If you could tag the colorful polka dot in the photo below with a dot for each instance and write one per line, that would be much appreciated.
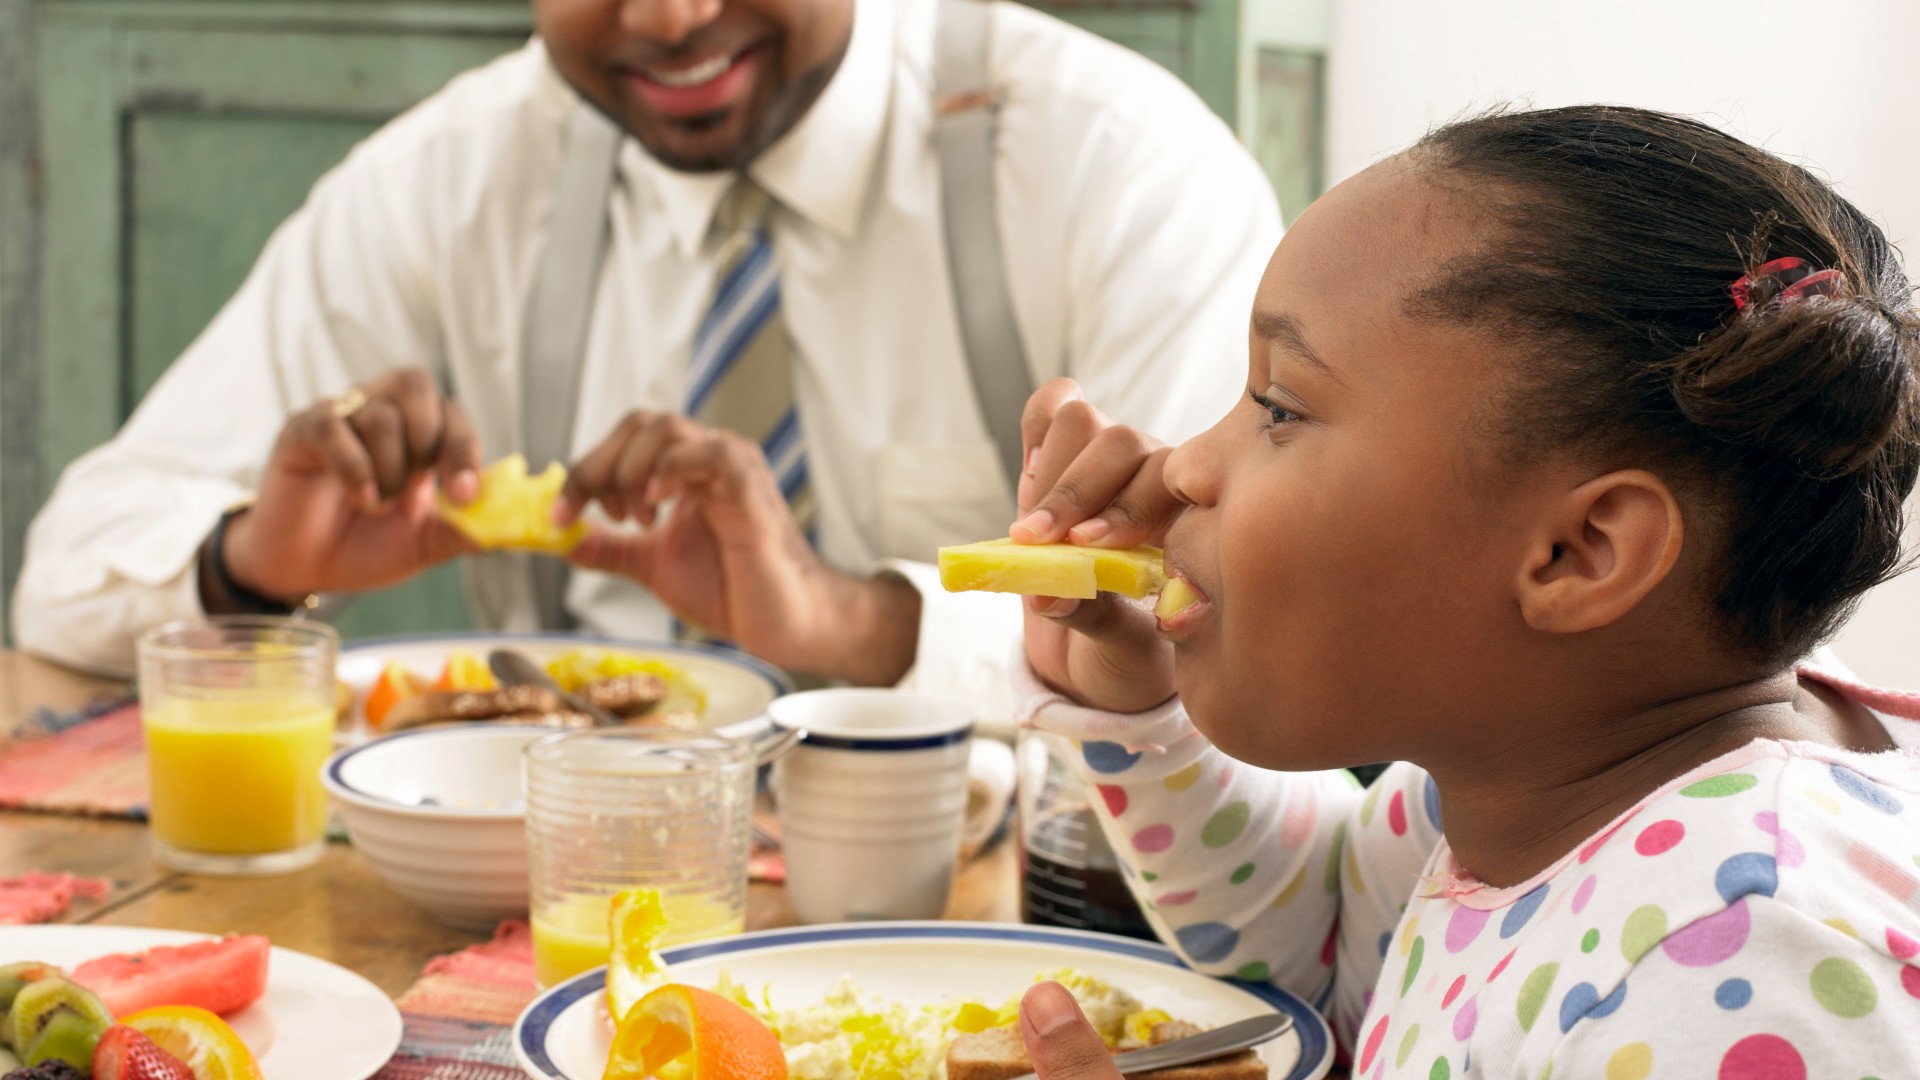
(1115, 798)
(1354, 880)
(1881, 870)
(1367, 804)
(1643, 930)
(1406, 1046)
(1208, 942)
(1745, 874)
(1584, 893)
(1533, 994)
(1659, 837)
(1710, 940)
(1296, 828)
(1145, 875)
(1255, 972)
(1590, 940)
(1502, 965)
(1440, 1071)
(1583, 1001)
(1522, 910)
(1182, 780)
(1432, 800)
(1453, 991)
(1177, 899)
(1386, 939)
(1465, 1020)
(1762, 1057)
(1292, 890)
(1225, 825)
(1842, 988)
(1464, 927)
(1107, 758)
(1374, 1039)
(1733, 994)
(1842, 925)
(1413, 965)
(1332, 882)
(1397, 813)
(1864, 789)
(1719, 787)
(1153, 839)
(1240, 874)
(1910, 981)
(1631, 1062)
(1822, 800)
(1900, 945)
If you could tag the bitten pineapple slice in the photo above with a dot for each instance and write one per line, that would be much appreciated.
(1067, 570)
(515, 510)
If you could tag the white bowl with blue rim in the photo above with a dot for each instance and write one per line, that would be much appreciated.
(438, 813)
(871, 802)
(565, 1033)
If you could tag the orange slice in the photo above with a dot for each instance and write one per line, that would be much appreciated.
(200, 1039)
(394, 685)
(681, 1033)
(465, 671)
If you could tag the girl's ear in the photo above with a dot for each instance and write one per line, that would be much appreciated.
(1604, 547)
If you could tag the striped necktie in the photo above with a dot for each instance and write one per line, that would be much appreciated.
(741, 378)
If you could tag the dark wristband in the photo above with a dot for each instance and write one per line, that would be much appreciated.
(235, 594)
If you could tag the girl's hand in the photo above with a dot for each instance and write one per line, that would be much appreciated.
(1091, 481)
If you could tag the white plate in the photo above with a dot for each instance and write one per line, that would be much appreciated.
(565, 1034)
(738, 686)
(317, 1021)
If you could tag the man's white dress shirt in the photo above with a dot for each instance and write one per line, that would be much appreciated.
(1135, 230)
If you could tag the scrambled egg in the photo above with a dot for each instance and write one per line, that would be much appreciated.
(852, 1035)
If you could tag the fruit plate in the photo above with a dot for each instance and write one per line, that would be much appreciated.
(318, 1021)
(566, 1032)
(738, 686)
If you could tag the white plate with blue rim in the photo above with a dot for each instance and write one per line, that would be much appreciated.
(565, 1033)
(737, 687)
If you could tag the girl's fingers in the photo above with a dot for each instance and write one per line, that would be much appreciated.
(1035, 421)
(1071, 430)
(1102, 470)
(1139, 514)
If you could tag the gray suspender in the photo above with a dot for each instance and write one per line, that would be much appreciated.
(561, 308)
(966, 112)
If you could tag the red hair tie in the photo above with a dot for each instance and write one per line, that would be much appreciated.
(1796, 277)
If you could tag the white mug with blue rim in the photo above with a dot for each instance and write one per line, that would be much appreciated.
(871, 802)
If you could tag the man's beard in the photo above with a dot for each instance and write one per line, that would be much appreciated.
(764, 128)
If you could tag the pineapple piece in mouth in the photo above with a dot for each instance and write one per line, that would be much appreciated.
(1065, 570)
(1175, 598)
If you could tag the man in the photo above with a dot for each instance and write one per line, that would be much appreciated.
(376, 351)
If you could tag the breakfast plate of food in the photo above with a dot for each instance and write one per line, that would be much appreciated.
(397, 683)
(231, 1003)
(933, 1000)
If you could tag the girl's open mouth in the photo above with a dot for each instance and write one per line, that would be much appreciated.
(1179, 606)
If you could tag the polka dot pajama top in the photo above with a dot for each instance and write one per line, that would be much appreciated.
(1755, 919)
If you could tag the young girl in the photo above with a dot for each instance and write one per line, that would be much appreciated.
(1567, 435)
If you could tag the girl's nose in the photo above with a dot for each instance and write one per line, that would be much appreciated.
(1191, 472)
(667, 22)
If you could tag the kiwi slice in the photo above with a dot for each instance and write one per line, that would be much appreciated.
(56, 1019)
(13, 979)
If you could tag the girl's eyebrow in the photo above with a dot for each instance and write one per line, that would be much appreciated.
(1285, 331)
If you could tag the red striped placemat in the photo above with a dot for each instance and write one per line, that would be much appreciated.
(91, 762)
(459, 1015)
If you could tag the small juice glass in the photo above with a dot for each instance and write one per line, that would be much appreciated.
(616, 809)
(239, 716)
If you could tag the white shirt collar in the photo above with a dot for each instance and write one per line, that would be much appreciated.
(822, 168)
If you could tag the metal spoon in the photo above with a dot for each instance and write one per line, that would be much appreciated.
(1221, 1041)
(515, 669)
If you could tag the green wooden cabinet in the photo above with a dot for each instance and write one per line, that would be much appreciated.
(149, 147)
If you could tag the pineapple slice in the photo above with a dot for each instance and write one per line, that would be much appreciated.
(515, 510)
(1066, 570)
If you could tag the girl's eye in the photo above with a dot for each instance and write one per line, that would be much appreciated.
(1279, 413)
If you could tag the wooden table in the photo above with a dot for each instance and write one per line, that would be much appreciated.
(336, 909)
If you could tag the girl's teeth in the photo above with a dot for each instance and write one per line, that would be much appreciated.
(1175, 598)
(693, 76)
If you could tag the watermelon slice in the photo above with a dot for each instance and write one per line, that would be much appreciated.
(220, 976)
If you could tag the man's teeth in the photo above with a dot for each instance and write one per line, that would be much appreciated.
(693, 76)
(1176, 597)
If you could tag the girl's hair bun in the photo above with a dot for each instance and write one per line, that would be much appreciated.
(1820, 381)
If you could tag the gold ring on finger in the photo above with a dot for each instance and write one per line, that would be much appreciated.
(348, 403)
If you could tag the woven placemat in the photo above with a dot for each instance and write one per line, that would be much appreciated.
(459, 1015)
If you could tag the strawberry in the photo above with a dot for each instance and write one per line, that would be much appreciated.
(126, 1054)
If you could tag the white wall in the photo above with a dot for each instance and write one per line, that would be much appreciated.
(1831, 84)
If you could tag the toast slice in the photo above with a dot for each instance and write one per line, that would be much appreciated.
(1001, 1054)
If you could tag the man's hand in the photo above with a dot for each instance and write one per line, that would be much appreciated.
(346, 498)
(727, 557)
(1091, 481)
(1062, 1044)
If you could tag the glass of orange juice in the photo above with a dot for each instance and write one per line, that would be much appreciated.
(610, 809)
(239, 716)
